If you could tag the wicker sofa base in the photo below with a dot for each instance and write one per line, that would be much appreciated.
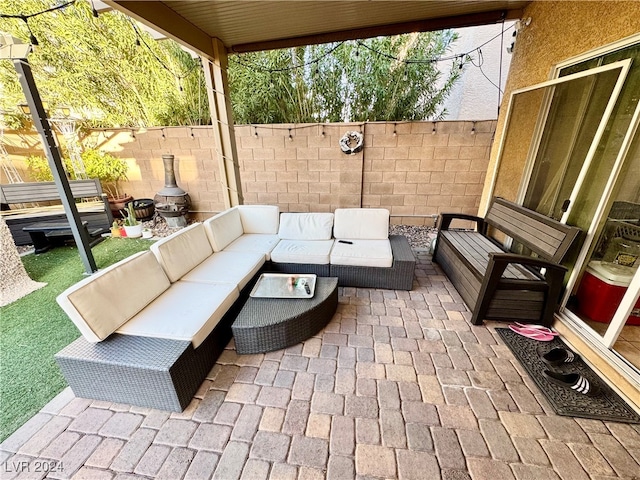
(319, 270)
(148, 372)
(267, 324)
(399, 276)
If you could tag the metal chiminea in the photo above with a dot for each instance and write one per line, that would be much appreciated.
(172, 202)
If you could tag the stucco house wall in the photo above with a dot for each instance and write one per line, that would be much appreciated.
(474, 96)
(558, 31)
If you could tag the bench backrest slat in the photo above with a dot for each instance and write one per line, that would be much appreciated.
(545, 236)
(45, 191)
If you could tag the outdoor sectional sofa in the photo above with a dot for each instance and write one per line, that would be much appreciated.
(154, 323)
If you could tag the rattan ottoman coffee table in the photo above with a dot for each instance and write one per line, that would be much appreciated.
(267, 324)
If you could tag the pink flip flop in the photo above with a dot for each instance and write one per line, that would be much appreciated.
(532, 333)
(537, 327)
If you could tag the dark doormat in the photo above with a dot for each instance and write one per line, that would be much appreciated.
(607, 405)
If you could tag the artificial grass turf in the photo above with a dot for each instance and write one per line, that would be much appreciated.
(34, 328)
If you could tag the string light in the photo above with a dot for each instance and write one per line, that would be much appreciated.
(322, 134)
(164, 137)
(255, 131)
(133, 134)
(315, 61)
(32, 38)
(356, 54)
(140, 41)
(290, 136)
(192, 135)
(25, 18)
(93, 10)
(433, 132)
(473, 128)
(395, 132)
(261, 68)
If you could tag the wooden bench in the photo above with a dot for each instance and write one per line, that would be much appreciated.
(19, 198)
(499, 285)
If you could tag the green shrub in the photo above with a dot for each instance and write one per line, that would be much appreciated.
(105, 167)
(39, 168)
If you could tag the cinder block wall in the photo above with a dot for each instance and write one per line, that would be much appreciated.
(415, 173)
(404, 166)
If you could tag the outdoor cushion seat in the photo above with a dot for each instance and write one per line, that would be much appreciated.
(222, 229)
(98, 305)
(230, 225)
(361, 223)
(366, 253)
(302, 251)
(305, 226)
(259, 219)
(365, 237)
(182, 251)
(186, 311)
(254, 243)
(228, 267)
(305, 238)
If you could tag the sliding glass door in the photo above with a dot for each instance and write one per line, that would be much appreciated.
(582, 168)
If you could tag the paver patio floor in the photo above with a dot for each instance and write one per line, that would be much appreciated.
(398, 385)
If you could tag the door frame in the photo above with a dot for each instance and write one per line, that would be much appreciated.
(624, 66)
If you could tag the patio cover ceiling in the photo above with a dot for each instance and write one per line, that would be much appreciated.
(245, 26)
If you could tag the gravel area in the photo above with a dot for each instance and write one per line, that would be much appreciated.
(420, 237)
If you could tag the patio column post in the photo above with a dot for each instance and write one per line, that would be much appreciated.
(215, 74)
(15, 50)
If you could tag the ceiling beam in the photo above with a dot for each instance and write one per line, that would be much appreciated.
(429, 25)
(158, 16)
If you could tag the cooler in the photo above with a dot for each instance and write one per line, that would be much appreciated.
(601, 290)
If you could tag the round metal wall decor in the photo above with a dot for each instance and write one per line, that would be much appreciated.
(352, 142)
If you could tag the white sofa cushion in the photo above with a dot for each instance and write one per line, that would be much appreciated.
(302, 251)
(98, 305)
(223, 228)
(259, 218)
(229, 267)
(254, 243)
(186, 311)
(361, 223)
(183, 250)
(364, 253)
(305, 226)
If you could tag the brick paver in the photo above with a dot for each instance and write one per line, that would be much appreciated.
(398, 385)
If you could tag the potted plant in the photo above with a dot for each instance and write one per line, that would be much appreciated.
(131, 225)
(110, 171)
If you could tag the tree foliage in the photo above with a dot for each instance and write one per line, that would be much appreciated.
(113, 73)
(102, 67)
(385, 78)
